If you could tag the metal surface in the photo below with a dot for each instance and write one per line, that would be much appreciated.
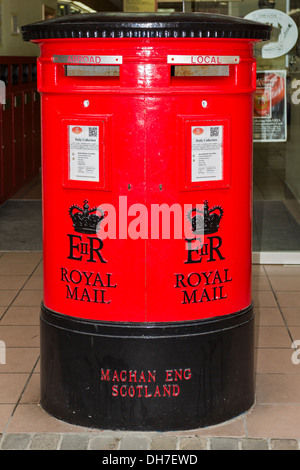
(85, 59)
(203, 59)
(146, 25)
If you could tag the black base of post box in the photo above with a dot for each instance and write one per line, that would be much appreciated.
(153, 377)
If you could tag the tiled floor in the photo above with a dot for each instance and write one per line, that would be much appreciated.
(273, 423)
(276, 414)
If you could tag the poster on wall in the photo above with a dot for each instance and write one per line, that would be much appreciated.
(270, 114)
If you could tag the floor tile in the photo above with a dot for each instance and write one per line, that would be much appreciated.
(291, 315)
(264, 299)
(7, 297)
(34, 283)
(275, 361)
(268, 316)
(233, 428)
(21, 316)
(16, 269)
(260, 283)
(12, 282)
(20, 336)
(277, 388)
(285, 283)
(288, 299)
(295, 332)
(19, 360)
(28, 298)
(258, 270)
(22, 257)
(2, 310)
(39, 270)
(279, 270)
(278, 421)
(39, 420)
(11, 386)
(284, 444)
(272, 337)
(32, 392)
(45, 442)
(5, 414)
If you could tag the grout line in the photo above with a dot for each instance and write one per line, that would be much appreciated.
(278, 305)
(245, 421)
(60, 441)
(21, 395)
(30, 441)
(240, 444)
(25, 200)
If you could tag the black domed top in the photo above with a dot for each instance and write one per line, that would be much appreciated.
(146, 25)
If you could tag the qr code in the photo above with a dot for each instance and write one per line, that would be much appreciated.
(214, 131)
(93, 131)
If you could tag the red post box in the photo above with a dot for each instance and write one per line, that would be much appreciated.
(147, 317)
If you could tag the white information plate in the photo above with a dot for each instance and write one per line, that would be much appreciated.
(202, 59)
(84, 59)
(84, 153)
(207, 153)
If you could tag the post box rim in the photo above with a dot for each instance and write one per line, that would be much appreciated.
(149, 25)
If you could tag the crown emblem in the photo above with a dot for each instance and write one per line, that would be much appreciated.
(205, 221)
(84, 219)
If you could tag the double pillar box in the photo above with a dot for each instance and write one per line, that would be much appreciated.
(147, 317)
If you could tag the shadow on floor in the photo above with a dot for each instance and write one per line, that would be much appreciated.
(274, 228)
(21, 225)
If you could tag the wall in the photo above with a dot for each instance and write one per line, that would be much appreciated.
(27, 11)
(246, 6)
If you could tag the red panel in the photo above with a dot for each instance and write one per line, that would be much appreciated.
(146, 120)
(21, 155)
(7, 147)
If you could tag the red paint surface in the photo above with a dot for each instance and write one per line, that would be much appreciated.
(145, 118)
